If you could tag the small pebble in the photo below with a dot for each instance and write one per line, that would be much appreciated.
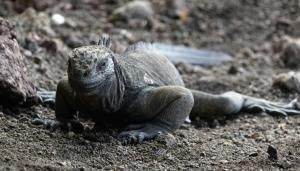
(54, 152)
(223, 161)
(167, 139)
(213, 158)
(82, 169)
(233, 70)
(12, 124)
(255, 154)
(37, 121)
(63, 163)
(203, 154)
(35, 115)
(6, 158)
(24, 119)
(27, 53)
(71, 134)
(269, 138)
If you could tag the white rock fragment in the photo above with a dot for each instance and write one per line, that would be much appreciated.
(58, 19)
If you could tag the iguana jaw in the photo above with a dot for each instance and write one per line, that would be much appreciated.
(87, 85)
(84, 85)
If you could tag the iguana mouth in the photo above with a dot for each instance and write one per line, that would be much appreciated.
(85, 85)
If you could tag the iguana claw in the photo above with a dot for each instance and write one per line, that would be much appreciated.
(72, 125)
(47, 97)
(138, 136)
(260, 105)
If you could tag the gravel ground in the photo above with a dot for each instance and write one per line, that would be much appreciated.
(253, 32)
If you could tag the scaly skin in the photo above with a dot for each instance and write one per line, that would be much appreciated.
(142, 91)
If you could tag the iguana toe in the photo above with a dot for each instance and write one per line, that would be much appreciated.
(138, 136)
(46, 97)
(72, 125)
(259, 105)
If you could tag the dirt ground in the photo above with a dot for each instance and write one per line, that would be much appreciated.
(249, 30)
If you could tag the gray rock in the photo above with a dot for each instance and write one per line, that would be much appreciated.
(288, 82)
(37, 121)
(167, 139)
(137, 9)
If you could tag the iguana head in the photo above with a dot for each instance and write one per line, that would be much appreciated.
(90, 66)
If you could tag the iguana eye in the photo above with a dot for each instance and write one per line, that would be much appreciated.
(101, 65)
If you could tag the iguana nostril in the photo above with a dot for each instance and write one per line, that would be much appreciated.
(86, 73)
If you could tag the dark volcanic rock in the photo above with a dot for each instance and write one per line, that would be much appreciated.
(15, 87)
(272, 153)
(21, 5)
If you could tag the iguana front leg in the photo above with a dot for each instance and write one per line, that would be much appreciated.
(209, 105)
(158, 110)
(65, 108)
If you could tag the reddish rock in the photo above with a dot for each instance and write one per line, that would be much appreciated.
(15, 87)
(6, 29)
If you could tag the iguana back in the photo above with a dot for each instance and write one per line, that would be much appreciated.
(145, 66)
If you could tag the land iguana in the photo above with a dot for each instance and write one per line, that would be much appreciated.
(141, 91)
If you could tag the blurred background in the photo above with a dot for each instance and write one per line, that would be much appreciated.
(48, 29)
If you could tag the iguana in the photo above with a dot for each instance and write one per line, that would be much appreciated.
(141, 91)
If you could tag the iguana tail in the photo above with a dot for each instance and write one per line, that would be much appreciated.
(178, 54)
(209, 105)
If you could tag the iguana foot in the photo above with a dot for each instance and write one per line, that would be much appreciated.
(138, 133)
(252, 104)
(72, 125)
